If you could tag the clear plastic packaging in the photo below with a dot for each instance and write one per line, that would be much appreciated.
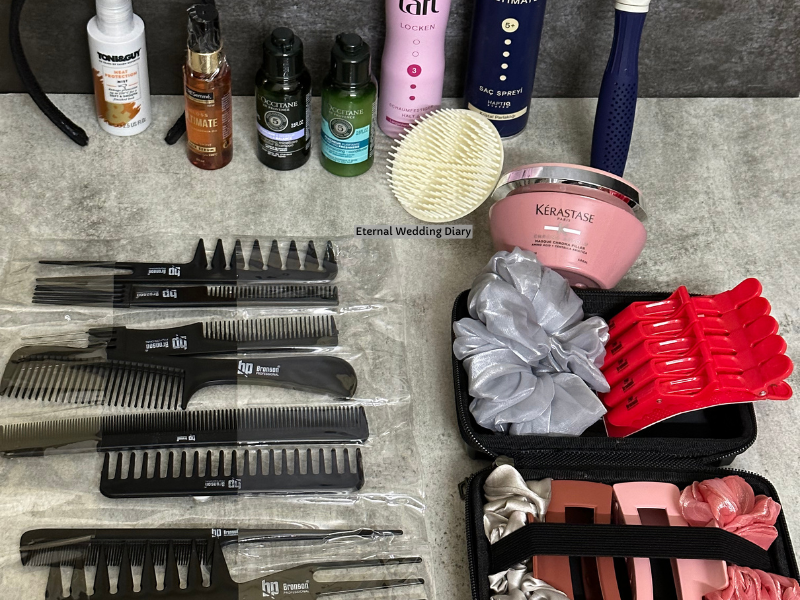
(60, 489)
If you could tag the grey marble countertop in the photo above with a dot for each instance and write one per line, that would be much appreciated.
(719, 178)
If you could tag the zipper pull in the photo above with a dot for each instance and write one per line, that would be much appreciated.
(462, 487)
(503, 460)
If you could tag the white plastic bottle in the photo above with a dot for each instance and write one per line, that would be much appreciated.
(119, 68)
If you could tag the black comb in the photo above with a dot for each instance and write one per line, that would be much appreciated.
(222, 337)
(56, 547)
(219, 270)
(271, 474)
(196, 557)
(117, 368)
(132, 295)
(196, 428)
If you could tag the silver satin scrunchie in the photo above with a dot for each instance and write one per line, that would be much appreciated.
(510, 500)
(531, 359)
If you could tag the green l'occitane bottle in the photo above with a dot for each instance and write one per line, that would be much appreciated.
(349, 98)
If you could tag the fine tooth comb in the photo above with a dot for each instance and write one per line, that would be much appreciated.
(134, 369)
(56, 547)
(196, 428)
(206, 480)
(206, 574)
(218, 271)
(223, 337)
(127, 295)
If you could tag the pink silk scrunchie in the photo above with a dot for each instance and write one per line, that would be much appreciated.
(751, 584)
(731, 504)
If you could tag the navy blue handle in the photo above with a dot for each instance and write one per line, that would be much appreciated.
(616, 105)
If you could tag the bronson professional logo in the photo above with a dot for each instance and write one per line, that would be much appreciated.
(245, 368)
(270, 589)
(418, 7)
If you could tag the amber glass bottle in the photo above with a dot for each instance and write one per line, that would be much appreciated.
(207, 88)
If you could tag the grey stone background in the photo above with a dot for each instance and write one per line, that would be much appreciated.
(691, 48)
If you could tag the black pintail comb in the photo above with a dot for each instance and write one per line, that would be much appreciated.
(269, 473)
(72, 547)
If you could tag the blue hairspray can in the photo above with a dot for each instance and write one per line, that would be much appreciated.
(502, 61)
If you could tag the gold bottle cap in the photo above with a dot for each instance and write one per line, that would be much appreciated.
(208, 64)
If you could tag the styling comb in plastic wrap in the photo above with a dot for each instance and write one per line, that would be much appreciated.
(192, 563)
(200, 475)
(200, 283)
(158, 369)
(187, 429)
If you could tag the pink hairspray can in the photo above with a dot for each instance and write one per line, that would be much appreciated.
(412, 70)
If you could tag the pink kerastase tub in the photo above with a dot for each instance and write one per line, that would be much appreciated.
(584, 223)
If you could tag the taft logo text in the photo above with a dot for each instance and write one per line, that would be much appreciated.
(179, 342)
(418, 7)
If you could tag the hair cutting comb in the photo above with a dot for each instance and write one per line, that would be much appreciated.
(125, 295)
(570, 501)
(199, 283)
(227, 477)
(222, 337)
(219, 270)
(196, 428)
(157, 369)
(56, 547)
(656, 503)
(198, 558)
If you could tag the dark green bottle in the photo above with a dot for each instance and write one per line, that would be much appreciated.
(283, 103)
(349, 97)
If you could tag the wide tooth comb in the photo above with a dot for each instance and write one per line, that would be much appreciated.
(312, 262)
(218, 258)
(230, 478)
(237, 260)
(196, 272)
(110, 383)
(274, 258)
(293, 258)
(200, 259)
(256, 262)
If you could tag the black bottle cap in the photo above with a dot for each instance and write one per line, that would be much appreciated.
(283, 54)
(350, 61)
(204, 35)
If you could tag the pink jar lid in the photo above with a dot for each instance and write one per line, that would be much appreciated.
(555, 173)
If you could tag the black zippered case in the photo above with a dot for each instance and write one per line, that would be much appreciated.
(680, 450)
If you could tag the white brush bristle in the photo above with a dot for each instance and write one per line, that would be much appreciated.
(447, 165)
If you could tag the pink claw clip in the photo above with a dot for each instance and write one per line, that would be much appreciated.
(599, 577)
(656, 503)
